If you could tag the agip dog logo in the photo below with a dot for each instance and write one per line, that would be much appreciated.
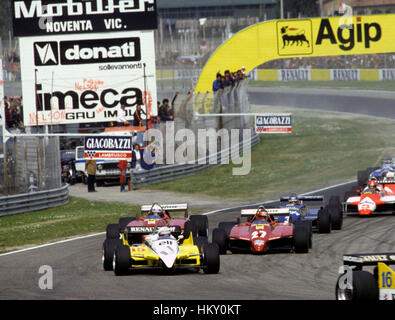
(294, 37)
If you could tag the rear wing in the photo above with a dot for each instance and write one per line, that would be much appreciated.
(369, 259)
(180, 207)
(149, 230)
(385, 182)
(304, 198)
(388, 161)
(272, 211)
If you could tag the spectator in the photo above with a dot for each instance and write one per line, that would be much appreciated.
(137, 120)
(217, 84)
(90, 167)
(136, 157)
(165, 111)
(149, 158)
(122, 117)
(123, 165)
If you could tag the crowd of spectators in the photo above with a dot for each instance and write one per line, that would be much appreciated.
(367, 61)
(228, 79)
(11, 66)
(13, 110)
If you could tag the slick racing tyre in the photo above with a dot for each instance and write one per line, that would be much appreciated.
(211, 259)
(201, 223)
(309, 226)
(190, 227)
(200, 242)
(362, 177)
(336, 212)
(301, 239)
(123, 222)
(112, 231)
(364, 287)
(109, 246)
(226, 226)
(221, 239)
(121, 262)
(324, 221)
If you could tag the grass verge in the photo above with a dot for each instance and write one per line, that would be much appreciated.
(79, 217)
(325, 148)
(347, 85)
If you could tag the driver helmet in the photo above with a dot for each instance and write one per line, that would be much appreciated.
(164, 231)
(372, 184)
(390, 175)
(157, 210)
(293, 199)
(262, 212)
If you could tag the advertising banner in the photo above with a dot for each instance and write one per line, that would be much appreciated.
(54, 17)
(87, 77)
(346, 74)
(387, 74)
(273, 123)
(108, 148)
(294, 74)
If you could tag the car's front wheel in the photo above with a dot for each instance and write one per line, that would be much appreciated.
(121, 262)
(364, 287)
(211, 258)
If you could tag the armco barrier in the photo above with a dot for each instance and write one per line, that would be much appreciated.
(172, 172)
(34, 201)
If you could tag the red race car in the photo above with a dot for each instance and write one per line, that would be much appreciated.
(372, 200)
(261, 232)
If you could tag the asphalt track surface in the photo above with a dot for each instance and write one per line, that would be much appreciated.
(78, 274)
(367, 102)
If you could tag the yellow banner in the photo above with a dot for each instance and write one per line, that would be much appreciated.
(314, 37)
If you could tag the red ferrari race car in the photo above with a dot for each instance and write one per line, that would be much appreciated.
(377, 197)
(261, 233)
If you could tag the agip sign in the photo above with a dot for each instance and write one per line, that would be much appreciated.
(315, 37)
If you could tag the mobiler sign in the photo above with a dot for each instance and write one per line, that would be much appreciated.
(51, 17)
(279, 123)
(108, 147)
(88, 78)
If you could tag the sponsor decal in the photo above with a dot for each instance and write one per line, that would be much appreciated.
(108, 147)
(294, 37)
(146, 229)
(273, 123)
(49, 17)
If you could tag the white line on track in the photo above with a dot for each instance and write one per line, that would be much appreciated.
(206, 213)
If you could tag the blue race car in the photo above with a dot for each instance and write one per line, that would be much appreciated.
(322, 219)
(379, 173)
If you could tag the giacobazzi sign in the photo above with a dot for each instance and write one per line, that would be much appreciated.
(87, 77)
(108, 148)
(53, 17)
(280, 123)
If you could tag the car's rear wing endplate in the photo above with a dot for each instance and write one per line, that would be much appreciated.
(304, 198)
(272, 211)
(369, 259)
(168, 207)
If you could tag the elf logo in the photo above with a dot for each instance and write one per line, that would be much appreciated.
(346, 38)
(87, 51)
(46, 53)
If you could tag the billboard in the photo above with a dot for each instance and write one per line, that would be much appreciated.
(86, 78)
(54, 17)
(280, 123)
(108, 148)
